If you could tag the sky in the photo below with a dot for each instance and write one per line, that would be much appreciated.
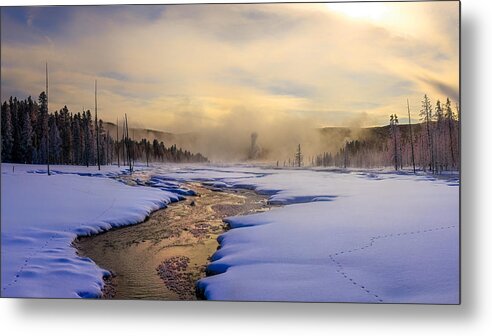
(189, 68)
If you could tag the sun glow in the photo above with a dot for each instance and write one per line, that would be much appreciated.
(362, 11)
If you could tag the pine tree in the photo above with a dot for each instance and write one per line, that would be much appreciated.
(449, 116)
(147, 150)
(77, 139)
(102, 143)
(89, 143)
(7, 133)
(65, 129)
(55, 143)
(155, 150)
(298, 156)
(438, 136)
(25, 139)
(30, 134)
(42, 128)
(16, 132)
(395, 136)
(426, 117)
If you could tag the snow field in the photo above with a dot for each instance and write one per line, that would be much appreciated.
(356, 237)
(337, 237)
(42, 215)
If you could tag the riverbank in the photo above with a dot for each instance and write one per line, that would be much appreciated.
(41, 215)
(162, 257)
(339, 238)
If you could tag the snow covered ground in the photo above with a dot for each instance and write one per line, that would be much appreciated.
(339, 237)
(42, 215)
(364, 237)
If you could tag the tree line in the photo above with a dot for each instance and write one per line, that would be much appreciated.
(431, 145)
(33, 135)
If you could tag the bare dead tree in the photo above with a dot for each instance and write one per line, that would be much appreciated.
(133, 147)
(411, 136)
(108, 160)
(48, 135)
(127, 138)
(123, 142)
(117, 141)
(97, 126)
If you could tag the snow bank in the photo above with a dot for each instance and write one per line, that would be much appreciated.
(41, 215)
(338, 237)
(341, 237)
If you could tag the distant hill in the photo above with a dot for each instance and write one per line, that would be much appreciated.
(329, 132)
(377, 133)
(149, 134)
(218, 146)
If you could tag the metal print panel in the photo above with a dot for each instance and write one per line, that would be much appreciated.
(241, 152)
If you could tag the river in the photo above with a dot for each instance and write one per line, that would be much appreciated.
(163, 257)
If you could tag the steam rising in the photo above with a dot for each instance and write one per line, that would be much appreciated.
(256, 137)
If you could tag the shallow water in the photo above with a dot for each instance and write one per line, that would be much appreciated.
(164, 256)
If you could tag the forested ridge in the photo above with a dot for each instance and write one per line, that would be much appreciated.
(430, 145)
(33, 135)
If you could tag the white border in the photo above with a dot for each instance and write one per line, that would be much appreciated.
(473, 317)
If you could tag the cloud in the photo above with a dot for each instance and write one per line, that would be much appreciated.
(196, 68)
(446, 89)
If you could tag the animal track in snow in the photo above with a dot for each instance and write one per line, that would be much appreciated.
(26, 262)
(372, 240)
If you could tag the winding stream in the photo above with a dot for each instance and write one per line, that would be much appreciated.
(164, 256)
